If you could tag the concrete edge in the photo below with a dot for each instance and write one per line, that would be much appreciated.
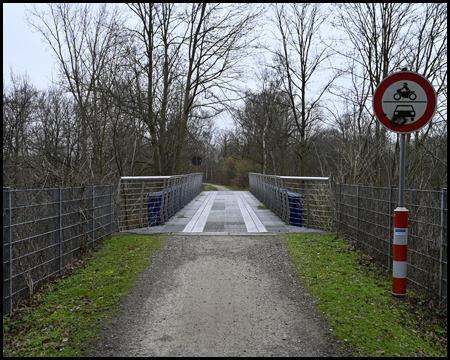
(312, 231)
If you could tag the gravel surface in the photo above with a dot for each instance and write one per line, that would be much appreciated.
(218, 296)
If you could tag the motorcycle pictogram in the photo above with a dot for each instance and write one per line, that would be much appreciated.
(405, 92)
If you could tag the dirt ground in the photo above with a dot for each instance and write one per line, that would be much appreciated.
(218, 296)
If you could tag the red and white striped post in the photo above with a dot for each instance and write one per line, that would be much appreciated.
(385, 110)
(400, 251)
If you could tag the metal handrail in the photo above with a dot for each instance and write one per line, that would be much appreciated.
(279, 193)
(151, 200)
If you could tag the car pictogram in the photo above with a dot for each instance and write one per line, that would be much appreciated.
(402, 112)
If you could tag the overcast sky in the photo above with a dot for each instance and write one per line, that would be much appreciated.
(24, 50)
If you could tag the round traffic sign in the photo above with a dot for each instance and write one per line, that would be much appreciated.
(404, 102)
(196, 160)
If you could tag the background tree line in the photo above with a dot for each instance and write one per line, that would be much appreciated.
(320, 81)
(140, 89)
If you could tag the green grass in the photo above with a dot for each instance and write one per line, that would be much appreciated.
(64, 318)
(355, 299)
(352, 295)
(263, 207)
(233, 188)
(206, 187)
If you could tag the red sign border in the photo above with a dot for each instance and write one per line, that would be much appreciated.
(401, 76)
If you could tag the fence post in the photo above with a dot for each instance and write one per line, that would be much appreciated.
(111, 214)
(443, 254)
(93, 215)
(86, 201)
(330, 180)
(117, 205)
(338, 205)
(307, 203)
(141, 205)
(164, 209)
(7, 252)
(285, 209)
(57, 225)
(392, 203)
(358, 195)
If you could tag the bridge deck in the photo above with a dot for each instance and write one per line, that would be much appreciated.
(224, 212)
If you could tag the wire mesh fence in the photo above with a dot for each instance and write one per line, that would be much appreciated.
(46, 229)
(366, 214)
(152, 200)
(299, 201)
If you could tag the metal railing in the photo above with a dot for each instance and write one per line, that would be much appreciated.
(46, 229)
(151, 200)
(279, 193)
(366, 213)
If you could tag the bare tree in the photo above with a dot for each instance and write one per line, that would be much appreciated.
(56, 139)
(383, 38)
(19, 106)
(427, 55)
(377, 33)
(192, 51)
(301, 56)
(218, 38)
(266, 122)
(153, 33)
(200, 140)
(81, 37)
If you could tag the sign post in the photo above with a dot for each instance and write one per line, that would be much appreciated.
(400, 253)
(196, 160)
(403, 102)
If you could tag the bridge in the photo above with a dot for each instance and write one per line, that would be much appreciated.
(176, 204)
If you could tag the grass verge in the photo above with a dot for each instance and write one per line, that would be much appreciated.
(355, 299)
(64, 318)
(233, 188)
(206, 187)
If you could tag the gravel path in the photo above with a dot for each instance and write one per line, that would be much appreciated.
(218, 296)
